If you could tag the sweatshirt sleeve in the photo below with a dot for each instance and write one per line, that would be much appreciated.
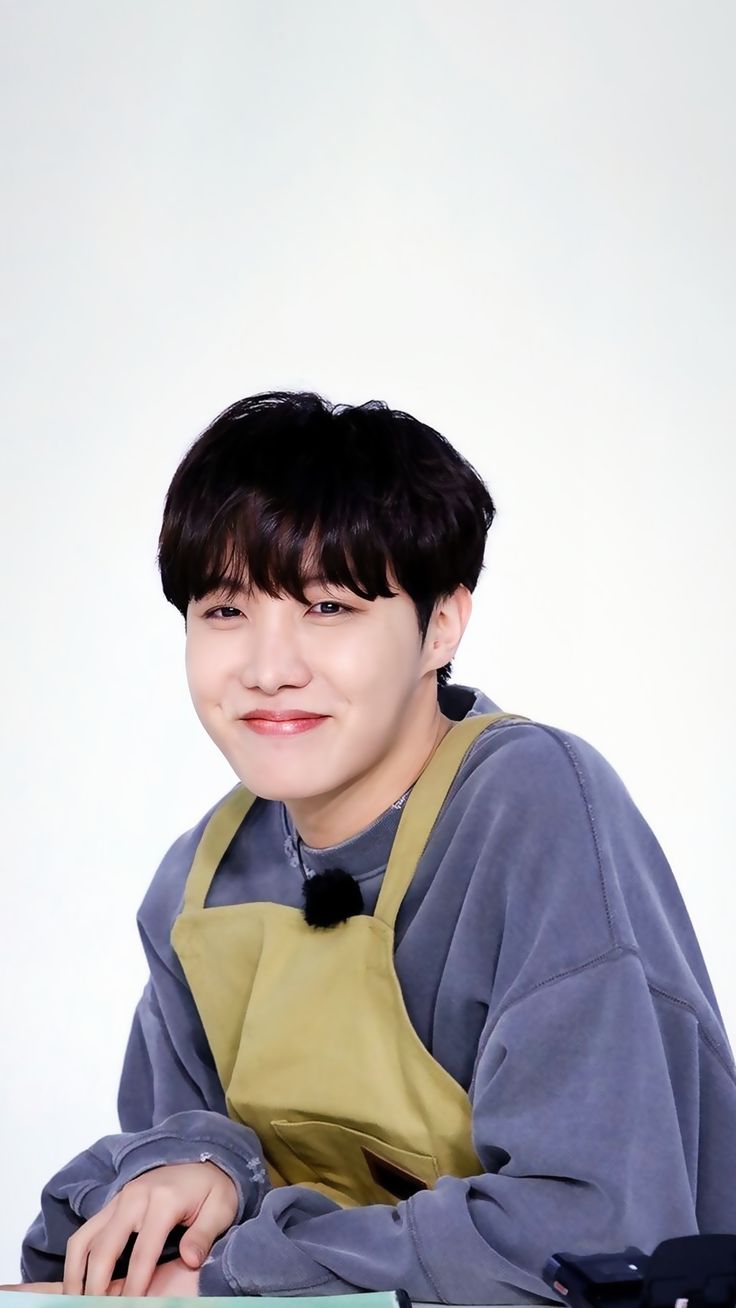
(170, 1100)
(83, 1186)
(576, 1126)
(168, 1065)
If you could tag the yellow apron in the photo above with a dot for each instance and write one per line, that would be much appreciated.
(308, 1028)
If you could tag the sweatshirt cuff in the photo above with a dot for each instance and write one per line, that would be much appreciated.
(183, 1138)
(259, 1258)
(212, 1280)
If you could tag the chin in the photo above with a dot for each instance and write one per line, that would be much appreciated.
(280, 790)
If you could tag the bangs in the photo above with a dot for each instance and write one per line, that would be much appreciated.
(267, 549)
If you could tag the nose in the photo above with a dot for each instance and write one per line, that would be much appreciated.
(271, 655)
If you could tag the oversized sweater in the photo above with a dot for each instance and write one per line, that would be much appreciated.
(546, 960)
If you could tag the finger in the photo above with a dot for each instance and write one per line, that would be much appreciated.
(146, 1252)
(35, 1287)
(107, 1248)
(214, 1217)
(77, 1248)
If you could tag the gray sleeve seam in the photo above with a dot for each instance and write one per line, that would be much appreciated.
(716, 1047)
(411, 1224)
(239, 1288)
(79, 1193)
(77, 1197)
(236, 1289)
(565, 744)
(618, 951)
(194, 1140)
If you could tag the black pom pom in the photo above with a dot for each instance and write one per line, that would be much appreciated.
(330, 897)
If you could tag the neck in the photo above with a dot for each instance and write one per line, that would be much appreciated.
(330, 819)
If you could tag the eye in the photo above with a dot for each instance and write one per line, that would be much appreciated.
(335, 605)
(224, 609)
(224, 612)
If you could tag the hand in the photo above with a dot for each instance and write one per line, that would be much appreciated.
(198, 1195)
(170, 1280)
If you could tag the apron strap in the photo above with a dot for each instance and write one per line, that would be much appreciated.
(423, 807)
(417, 820)
(215, 839)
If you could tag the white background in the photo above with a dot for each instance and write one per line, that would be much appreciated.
(514, 220)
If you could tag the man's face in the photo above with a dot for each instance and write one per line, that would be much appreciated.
(358, 662)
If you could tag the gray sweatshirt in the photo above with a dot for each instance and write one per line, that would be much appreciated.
(546, 960)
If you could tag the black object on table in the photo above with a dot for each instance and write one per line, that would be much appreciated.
(694, 1270)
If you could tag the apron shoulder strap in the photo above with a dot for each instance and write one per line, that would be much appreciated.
(423, 806)
(214, 840)
(417, 820)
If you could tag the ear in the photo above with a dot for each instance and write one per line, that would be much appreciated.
(447, 625)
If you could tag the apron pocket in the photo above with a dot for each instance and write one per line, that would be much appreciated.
(358, 1166)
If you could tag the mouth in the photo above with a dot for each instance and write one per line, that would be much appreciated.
(287, 727)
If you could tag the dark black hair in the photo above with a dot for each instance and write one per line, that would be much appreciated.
(284, 484)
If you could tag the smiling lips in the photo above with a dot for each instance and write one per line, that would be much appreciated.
(282, 715)
(280, 725)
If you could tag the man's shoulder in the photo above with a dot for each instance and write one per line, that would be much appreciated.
(527, 757)
(532, 813)
(550, 818)
(162, 900)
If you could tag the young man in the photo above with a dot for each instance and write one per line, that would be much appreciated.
(425, 1005)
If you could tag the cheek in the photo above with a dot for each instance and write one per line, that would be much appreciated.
(201, 672)
(371, 665)
(190, 665)
(368, 653)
